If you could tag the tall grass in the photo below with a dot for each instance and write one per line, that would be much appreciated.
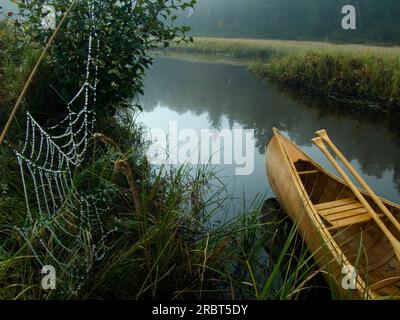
(165, 245)
(237, 50)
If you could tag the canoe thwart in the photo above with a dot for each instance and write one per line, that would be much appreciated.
(334, 204)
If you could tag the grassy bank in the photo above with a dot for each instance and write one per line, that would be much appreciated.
(366, 73)
(159, 242)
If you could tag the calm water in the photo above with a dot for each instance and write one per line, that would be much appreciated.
(7, 6)
(215, 96)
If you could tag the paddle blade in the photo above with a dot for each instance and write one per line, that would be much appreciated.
(318, 142)
(322, 134)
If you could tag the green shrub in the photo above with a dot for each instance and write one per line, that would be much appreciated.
(125, 33)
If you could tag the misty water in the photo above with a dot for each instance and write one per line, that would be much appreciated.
(216, 96)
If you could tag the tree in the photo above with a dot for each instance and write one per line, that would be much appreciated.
(126, 29)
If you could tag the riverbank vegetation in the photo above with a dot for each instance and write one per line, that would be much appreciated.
(157, 232)
(16, 62)
(354, 72)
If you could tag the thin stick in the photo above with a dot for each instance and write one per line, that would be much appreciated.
(394, 242)
(324, 135)
(33, 73)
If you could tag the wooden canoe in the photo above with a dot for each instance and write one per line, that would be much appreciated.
(336, 228)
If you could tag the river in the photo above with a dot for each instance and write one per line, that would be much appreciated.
(6, 7)
(201, 95)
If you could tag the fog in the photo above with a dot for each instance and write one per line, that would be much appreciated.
(377, 20)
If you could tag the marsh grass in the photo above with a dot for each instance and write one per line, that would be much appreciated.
(257, 49)
(374, 79)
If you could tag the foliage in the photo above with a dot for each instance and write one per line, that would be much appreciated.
(16, 62)
(126, 30)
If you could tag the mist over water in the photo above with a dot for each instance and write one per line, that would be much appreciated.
(378, 21)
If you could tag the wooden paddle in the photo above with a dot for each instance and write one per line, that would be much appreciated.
(324, 135)
(319, 142)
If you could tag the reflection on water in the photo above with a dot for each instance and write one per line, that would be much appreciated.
(7, 6)
(201, 95)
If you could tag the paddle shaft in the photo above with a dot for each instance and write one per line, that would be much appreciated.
(32, 75)
(395, 243)
(323, 134)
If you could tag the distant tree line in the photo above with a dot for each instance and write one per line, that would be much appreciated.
(377, 20)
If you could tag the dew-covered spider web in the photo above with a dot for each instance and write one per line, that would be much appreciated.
(64, 227)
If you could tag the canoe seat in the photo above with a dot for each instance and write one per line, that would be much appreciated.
(342, 213)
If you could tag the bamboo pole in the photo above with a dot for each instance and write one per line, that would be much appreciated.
(324, 135)
(319, 142)
(33, 73)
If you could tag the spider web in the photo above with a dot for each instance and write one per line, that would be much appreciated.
(61, 223)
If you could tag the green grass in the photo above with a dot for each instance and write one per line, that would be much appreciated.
(367, 73)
